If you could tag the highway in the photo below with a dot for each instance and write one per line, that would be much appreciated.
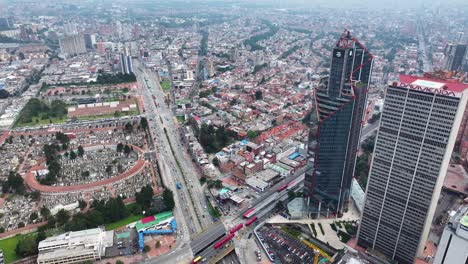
(184, 212)
(182, 162)
(423, 51)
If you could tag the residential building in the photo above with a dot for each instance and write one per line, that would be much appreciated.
(453, 245)
(418, 129)
(75, 247)
(126, 65)
(72, 45)
(4, 23)
(340, 101)
(90, 41)
(70, 29)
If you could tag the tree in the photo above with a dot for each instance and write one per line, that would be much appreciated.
(82, 204)
(279, 206)
(158, 244)
(128, 128)
(362, 169)
(146, 248)
(251, 134)
(45, 212)
(72, 155)
(109, 169)
(62, 217)
(120, 147)
(61, 137)
(374, 118)
(41, 235)
(33, 216)
(21, 224)
(95, 218)
(168, 197)
(368, 144)
(80, 151)
(119, 262)
(26, 246)
(115, 209)
(145, 196)
(14, 182)
(35, 195)
(258, 95)
(216, 161)
(291, 194)
(215, 184)
(144, 123)
(127, 150)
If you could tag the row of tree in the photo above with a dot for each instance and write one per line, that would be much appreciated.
(362, 163)
(102, 212)
(52, 161)
(107, 78)
(252, 41)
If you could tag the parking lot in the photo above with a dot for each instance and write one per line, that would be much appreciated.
(125, 243)
(283, 248)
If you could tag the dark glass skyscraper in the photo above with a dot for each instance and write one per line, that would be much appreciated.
(340, 100)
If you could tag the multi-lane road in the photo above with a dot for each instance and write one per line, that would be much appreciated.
(176, 167)
(175, 155)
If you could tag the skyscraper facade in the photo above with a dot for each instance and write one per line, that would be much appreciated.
(72, 45)
(417, 133)
(340, 101)
(126, 65)
(454, 56)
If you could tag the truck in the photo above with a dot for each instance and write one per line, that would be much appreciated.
(178, 185)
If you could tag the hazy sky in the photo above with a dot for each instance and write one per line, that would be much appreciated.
(388, 4)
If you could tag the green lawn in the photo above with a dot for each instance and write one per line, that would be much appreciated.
(180, 119)
(39, 122)
(123, 222)
(8, 246)
(95, 117)
(165, 85)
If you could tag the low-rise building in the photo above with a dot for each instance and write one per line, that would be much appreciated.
(75, 247)
(453, 244)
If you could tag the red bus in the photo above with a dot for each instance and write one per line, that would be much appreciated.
(250, 211)
(292, 185)
(251, 221)
(282, 187)
(226, 239)
(237, 228)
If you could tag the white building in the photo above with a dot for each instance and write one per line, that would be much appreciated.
(453, 245)
(74, 247)
(414, 144)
